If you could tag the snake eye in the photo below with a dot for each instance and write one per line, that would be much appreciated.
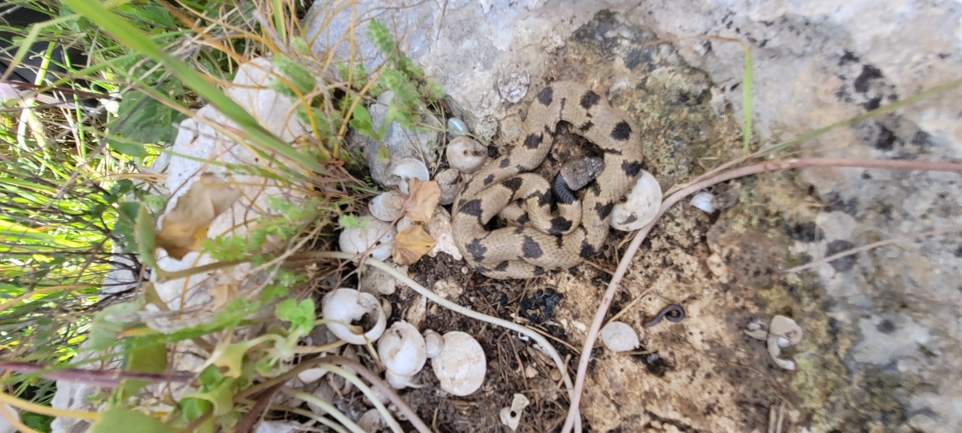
(623, 199)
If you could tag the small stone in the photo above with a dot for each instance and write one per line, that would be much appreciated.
(449, 185)
(513, 86)
(439, 227)
(530, 372)
(555, 374)
(457, 127)
(448, 289)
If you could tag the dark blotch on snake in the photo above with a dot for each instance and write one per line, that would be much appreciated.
(502, 266)
(532, 141)
(631, 168)
(544, 198)
(476, 250)
(513, 184)
(473, 208)
(559, 225)
(524, 218)
(546, 96)
(621, 132)
(530, 248)
(585, 127)
(587, 251)
(589, 99)
(504, 163)
(604, 210)
(489, 179)
(538, 270)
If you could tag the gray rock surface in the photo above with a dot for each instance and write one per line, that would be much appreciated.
(892, 312)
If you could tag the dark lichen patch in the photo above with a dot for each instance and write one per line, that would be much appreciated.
(805, 232)
(840, 264)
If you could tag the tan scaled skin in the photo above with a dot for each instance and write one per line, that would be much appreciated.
(532, 249)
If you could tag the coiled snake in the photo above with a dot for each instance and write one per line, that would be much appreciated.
(539, 241)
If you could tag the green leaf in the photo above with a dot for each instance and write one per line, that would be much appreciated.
(145, 238)
(383, 153)
(221, 397)
(381, 37)
(129, 36)
(109, 323)
(302, 79)
(362, 123)
(231, 358)
(124, 227)
(143, 358)
(301, 315)
(150, 121)
(192, 409)
(118, 419)
(124, 147)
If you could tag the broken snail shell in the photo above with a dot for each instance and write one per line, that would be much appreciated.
(640, 206)
(402, 351)
(460, 367)
(619, 337)
(348, 311)
(466, 155)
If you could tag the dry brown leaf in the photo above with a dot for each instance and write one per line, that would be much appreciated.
(184, 228)
(423, 199)
(411, 244)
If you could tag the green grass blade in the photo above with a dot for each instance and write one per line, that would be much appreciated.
(130, 37)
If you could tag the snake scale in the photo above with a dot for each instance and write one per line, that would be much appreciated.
(540, 241)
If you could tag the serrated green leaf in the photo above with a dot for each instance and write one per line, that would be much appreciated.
(302, 79)
(119, 419)
(362, 123)
(381, 37)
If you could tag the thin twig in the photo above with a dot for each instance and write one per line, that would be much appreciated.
(246, 423)
(629, 255)
(103, 378)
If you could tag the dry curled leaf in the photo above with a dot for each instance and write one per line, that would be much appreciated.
(423, 199)
(184, 228)
(411, 244)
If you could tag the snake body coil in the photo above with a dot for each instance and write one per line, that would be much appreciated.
(540, 241)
